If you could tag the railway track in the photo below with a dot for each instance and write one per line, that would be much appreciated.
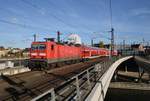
(28, 85)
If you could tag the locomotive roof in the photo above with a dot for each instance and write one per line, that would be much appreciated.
(89, 47)
(38, 42)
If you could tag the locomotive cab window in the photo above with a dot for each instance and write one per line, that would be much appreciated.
(38, 47)
(42, 47)
(34, 47)
(52, 47)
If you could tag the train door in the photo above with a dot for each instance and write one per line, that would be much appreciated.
(52, 51)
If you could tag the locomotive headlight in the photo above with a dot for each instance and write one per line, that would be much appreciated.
(42, 54)
(33, 54)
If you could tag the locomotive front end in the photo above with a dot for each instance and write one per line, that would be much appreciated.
(38, 55)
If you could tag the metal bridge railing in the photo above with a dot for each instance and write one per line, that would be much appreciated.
(49, 96)
(79, 86)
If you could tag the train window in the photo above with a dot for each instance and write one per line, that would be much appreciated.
(34, 47)
(38, 46)
(52, 47)
(42, 47)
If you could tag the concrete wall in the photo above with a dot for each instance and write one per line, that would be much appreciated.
(99, 91)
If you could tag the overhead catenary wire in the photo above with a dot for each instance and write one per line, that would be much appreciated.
(52, 15)
(54, 5)
(110, 10)
(36, 27)
(109, 6)
(22, 25)
(27, 26)
(12, 12)
(100, 35)
(112, 29)
(56, 17)
(62, 10)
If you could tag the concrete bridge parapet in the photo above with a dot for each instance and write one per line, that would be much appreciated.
(99, 91)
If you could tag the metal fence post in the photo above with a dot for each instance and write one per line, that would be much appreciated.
(88, 80)
(78, 89)
(104, 65)
(53, 95)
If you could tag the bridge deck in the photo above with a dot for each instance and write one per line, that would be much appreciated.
(88, 81)
(28, 85)
(143, 63)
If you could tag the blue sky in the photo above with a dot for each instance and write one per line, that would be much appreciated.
(20, 19)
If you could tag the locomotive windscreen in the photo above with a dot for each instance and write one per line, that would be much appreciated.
(38, 46)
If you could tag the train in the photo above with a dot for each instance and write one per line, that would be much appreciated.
(49, 52)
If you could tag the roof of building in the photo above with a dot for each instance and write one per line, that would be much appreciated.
(2, 48)
(135, 45)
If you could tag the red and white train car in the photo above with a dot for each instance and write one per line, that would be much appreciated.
(49, 52)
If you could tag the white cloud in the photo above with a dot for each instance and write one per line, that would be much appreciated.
(14, 19)
(42, 11)
(74, 15)
(140, 11)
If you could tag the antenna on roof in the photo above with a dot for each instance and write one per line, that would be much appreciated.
(34, 37)
(58, 36)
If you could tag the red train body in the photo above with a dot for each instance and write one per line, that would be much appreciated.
(44, 53)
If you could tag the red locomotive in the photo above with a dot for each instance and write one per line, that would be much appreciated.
(50, 52)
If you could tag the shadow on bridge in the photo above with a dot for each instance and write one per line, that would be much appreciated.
(17, 88)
